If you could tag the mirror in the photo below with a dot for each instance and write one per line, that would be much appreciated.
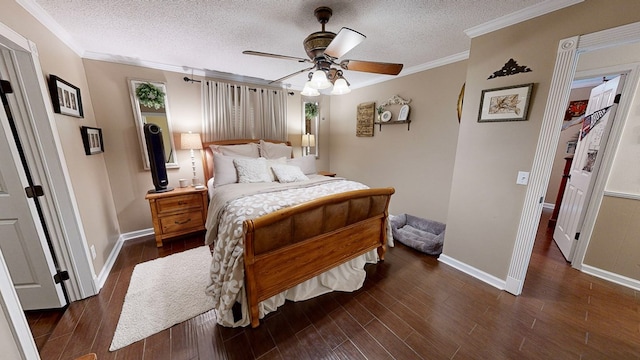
(150, 105)
(310, 128)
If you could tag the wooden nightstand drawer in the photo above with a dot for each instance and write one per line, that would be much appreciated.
(178, 203)
(182, 221)
(178, 212)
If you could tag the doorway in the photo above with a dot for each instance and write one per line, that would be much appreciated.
(567, 58)
(593, 129)
(42, 149)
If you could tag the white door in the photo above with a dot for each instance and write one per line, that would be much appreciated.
(22, 237)
(584, 166)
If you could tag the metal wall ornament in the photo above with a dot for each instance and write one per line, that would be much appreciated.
(511, 67)
(395, 100)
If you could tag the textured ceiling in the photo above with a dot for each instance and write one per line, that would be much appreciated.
(211, 35)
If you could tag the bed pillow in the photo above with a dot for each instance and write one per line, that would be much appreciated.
(252, 170)
(306, 163)
(224, 171)
(250, 150)
(273, 151)
(288, 173)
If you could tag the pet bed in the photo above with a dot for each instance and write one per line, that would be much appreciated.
(421, 234)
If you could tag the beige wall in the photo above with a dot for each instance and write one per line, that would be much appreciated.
(486, 203)
(614, 245)
(418, 163)
(114, 113)
(123, 154)
(7, 342)
(89, 174)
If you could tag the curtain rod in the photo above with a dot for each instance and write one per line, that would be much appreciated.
(187, 79)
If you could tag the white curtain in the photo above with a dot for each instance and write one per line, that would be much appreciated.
(240, 112)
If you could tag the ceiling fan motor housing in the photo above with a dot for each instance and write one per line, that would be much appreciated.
(315, 43)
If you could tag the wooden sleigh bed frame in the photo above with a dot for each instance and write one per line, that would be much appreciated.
(287, 247)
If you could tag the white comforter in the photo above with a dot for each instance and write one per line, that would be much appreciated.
(232, 204)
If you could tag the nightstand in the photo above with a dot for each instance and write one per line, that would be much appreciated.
(178, 212)
(327, 173)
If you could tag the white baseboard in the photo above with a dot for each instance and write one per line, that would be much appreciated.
(106, 269)
(470, 270)
(609, 276)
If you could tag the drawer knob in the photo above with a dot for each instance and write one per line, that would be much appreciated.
(182, 203)
(182, 223)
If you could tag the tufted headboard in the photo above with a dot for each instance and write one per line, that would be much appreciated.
(207, 156)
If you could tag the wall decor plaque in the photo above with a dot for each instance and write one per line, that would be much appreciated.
(364, 120)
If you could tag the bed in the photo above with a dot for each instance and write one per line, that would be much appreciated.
(281, 240)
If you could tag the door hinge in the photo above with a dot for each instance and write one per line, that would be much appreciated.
(5, 86)
(616, 100)
(34, 191)
(61, 276)
(577, 236)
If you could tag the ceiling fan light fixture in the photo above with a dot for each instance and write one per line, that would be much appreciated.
(309, 91)
(340, 87)
(319, 80)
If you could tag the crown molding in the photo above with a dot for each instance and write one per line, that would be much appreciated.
(47, 21)
(418, 68)
(519, 16)
(218, 75)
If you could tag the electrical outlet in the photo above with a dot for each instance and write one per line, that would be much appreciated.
(93, 251)
(523, 178)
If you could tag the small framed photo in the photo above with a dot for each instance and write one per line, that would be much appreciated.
(65, 97)
(92, 140)
(505, 104)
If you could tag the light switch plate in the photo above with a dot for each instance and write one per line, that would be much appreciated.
(523, 178)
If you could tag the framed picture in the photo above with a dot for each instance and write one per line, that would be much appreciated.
(576, 108)
(92, 140)
(65, 97)
(505, 104)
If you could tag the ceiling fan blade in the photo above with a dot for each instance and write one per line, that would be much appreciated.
(372, 67)
(291, 75)
(346, 40)
(258, 53)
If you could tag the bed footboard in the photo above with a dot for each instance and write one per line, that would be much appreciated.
(292, 245)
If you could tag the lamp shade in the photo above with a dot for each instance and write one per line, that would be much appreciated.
(340, 87)
(319, 80)
(308, 140)
(309, 91)
(190, 141)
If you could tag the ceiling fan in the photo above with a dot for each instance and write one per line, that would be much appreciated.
(324, 48)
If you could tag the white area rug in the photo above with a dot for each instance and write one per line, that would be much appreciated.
(164, 292)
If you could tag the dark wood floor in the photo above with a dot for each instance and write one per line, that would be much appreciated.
(411, 307)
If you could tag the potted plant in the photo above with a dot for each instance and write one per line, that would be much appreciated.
(380, 110)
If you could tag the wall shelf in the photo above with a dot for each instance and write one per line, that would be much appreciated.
(395, 122)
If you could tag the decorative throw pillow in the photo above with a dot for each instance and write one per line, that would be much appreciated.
(306, 163)
(288, 173)
(249, 150)
(252, 170)
(224, 172)
(273, 151)
(272, 162)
